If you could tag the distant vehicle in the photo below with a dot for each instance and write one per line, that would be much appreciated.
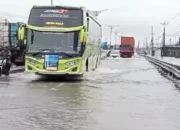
(9, 36)
(104, 45)
(115, 53)
(127, 46)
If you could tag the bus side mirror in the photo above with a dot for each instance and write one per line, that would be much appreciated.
(22, 33)
(83, 36)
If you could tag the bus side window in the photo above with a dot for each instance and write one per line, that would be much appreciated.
(87, 14)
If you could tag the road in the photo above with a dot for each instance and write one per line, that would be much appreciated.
(122, 94)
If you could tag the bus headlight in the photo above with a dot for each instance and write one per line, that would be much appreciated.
(32, 62)
(72, 63)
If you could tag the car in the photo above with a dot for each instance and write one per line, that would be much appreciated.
(115, 53)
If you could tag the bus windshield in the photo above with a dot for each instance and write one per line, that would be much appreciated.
(63, 42)
(56, 17)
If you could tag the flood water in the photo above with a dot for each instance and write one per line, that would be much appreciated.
(122, 94)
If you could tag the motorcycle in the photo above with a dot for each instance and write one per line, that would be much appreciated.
(3, 68)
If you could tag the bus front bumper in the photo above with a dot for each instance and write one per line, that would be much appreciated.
(58, 72)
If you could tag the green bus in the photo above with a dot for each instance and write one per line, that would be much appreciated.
(61, 40)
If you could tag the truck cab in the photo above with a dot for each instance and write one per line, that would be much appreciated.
(126, 51)
(127, 47)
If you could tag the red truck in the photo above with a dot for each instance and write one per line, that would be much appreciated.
(127, 46)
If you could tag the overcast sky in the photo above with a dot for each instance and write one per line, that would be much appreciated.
(134, 17)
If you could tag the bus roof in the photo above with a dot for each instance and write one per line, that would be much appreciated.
(67, 7)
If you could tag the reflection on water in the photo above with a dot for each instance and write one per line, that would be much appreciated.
(126, 94)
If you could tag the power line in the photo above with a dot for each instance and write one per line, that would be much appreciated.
(174, 33)
(174, 17)
(7, 17)
(169, 21)
(111, 27)
(96, 13)
(60, 2)
(11, 15)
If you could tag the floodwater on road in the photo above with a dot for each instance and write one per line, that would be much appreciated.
(122, 94)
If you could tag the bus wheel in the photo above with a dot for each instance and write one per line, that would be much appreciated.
(87, 65)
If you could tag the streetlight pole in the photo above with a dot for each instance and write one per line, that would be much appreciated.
(96, 13)
(164, 33)
(115, 33)
(146, 42)
(116, 36)
(152, 42)
(51, 2)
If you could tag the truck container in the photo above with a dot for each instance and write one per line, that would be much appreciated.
(9, 37)
(127, 46)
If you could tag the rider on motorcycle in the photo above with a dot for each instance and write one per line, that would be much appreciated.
(6, 54)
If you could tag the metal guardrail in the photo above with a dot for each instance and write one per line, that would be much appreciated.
(174, 70)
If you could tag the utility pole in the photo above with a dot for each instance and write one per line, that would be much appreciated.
(147, 49)
(170, 40)
(138, 47)
(51, 2)
(121, 34)
(146, 42)
(152, 41)
(111, 27)
(156, 40)
(164, 33)
(120, 37)
(152, 38)
(115, 33)
(138, 44)
(96, 13)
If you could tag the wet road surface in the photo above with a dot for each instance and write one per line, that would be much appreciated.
(122, 94)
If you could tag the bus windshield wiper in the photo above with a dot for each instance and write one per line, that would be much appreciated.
(42, 50)
(60, 53)
(64, 53)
